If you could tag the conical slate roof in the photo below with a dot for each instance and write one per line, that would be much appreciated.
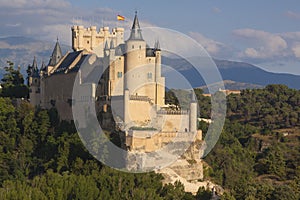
(56, 55)
(43, 67)
(112, 46)
(35, 70)
(136, 32)
(106, 45)
(157, 45)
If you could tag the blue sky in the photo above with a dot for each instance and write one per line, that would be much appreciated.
(265, 33)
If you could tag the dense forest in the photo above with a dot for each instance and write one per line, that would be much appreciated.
(258, 153)
(256, 157)
(42, 157)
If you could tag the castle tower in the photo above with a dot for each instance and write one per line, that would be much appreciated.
(34, 83)
(135, 53)
(159, 80)
(93, 41)
(193, 115)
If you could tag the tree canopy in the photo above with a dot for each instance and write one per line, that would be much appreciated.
(13, 83)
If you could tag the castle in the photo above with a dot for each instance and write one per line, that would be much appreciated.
(133, 76)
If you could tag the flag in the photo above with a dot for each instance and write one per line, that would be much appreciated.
(120, 18)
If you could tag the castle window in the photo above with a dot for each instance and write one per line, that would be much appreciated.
(119, 74)
(133, 46)
(52, 102)
(71, 102)
(140, 47)
(149, 75)
(87, 42)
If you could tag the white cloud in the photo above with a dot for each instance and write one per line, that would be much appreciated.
(216, 10)
(54, 4)
(13, 25)
(215, 48)
(47, 19)
(4, 45)
(60, 31)
(296, 50)
(292, 15)
(264, 45)
(291, 36)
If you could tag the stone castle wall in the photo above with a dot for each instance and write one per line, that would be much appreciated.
(59, 95)
(93, 40)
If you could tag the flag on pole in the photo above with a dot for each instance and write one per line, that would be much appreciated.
(120, 18)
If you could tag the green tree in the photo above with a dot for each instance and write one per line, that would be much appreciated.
(13, 83)
(203, 194)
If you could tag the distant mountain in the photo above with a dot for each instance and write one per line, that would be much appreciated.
(235, 71)
(21, 51)
(232, 85)
(247, 73)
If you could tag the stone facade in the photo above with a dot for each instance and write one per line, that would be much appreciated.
(133, 78)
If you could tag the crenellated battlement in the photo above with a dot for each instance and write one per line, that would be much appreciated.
(93, 40)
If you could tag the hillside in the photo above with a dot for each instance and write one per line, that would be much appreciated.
(257, 155)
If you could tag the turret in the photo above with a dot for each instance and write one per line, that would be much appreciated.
(77, 38)
(34, 83)
(157, 45)
(193, 115)
(93, 37)
(135, 51)
(43, 70)
(136, 32)
(56, 54)
(112, 51)
(119, 36)
(157, 61)
(106, 49)
(33, 73)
